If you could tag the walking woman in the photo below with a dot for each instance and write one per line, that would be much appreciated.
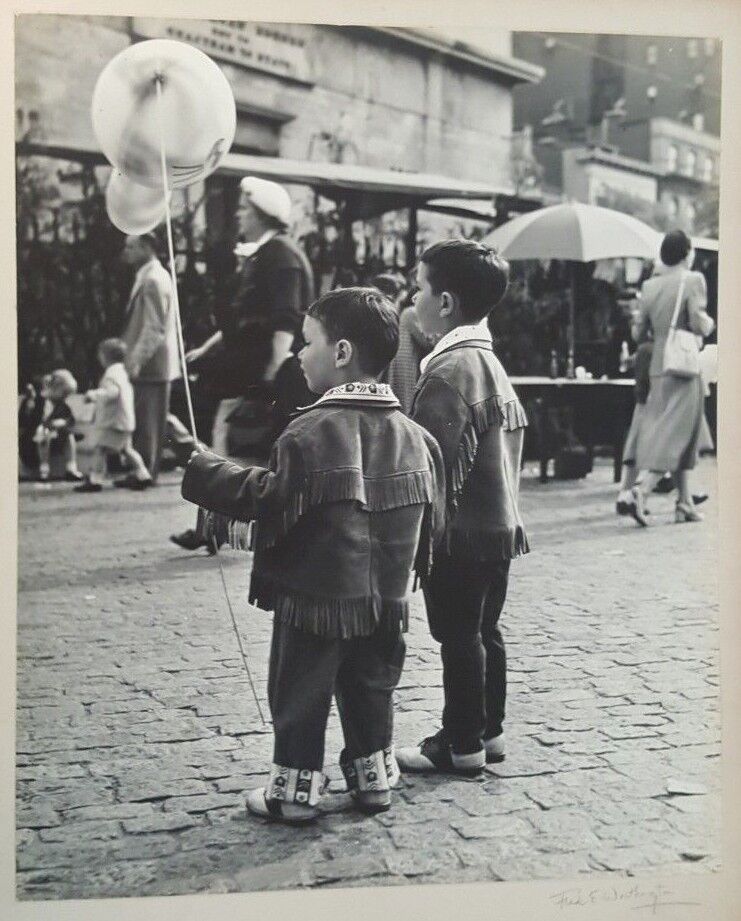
(670, 433)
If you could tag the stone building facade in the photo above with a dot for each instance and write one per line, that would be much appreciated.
(399, 99)
(408, 101)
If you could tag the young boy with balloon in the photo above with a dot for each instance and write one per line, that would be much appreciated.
(349, 503)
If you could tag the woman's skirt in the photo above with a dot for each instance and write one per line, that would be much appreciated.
(671, 430)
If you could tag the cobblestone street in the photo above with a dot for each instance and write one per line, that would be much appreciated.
(137, 733)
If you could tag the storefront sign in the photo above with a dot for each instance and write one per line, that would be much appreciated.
(274, 48)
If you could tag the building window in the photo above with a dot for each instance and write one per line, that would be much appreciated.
(652, 54)
(672, 158)
(708, 168)
(698, 121)
(690, 161)
(709, 47)
(692, 48)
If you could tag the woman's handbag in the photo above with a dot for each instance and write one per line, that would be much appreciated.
(681, 350)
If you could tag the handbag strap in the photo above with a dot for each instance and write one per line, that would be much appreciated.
(678, 304)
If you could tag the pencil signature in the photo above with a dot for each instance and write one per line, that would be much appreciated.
(649, 898)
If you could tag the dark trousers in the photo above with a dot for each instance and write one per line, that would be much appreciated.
(464, 599)
(306, 670)
(151, 405)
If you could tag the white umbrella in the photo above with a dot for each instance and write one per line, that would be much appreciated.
(576, 233)
(579, 233)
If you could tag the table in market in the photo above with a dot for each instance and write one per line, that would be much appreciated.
(602, 411)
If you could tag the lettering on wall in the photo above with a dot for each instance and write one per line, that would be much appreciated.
(276, 49)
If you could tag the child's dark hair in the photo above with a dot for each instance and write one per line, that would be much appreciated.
(473, 271)
(364, 317)
(113, 350)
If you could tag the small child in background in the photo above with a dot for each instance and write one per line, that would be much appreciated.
(54, 424)
(114, 418)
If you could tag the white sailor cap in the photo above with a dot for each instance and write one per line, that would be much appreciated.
(269, 197)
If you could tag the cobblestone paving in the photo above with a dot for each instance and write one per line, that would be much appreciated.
(137, 733)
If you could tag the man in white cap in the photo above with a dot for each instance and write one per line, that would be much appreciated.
(260, 329)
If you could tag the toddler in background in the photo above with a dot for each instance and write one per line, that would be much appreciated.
(54, 424)
(115, 420)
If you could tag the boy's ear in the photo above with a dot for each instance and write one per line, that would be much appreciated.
(448, 303)
(343, 353)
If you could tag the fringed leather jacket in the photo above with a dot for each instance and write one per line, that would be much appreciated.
(466, 401)
(351, 501)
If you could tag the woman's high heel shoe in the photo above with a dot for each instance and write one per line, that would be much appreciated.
(683, 512)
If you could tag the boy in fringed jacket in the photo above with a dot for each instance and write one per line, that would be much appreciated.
(349, 504)
(464, 399)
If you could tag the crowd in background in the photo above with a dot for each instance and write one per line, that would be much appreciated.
(245, 377)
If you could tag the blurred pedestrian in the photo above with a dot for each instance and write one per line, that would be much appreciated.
(625, 505)
(150, 336)
(670, 433)
(115, 420)
(259, 331)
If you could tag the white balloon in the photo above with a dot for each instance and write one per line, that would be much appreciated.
(133, 208)
(197, 114)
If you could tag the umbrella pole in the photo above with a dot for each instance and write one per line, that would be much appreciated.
(572, 315)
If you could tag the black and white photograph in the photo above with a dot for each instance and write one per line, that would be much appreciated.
(367, 458)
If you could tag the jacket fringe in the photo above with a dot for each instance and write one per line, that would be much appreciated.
(483, 416)
(425, 548)
(487, 545)
(320, 487)
(336, 618)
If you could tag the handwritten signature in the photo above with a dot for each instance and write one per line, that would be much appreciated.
(645, 897)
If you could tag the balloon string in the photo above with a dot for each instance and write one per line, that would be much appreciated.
(181, 347)
(215, 548)
(171, 249)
